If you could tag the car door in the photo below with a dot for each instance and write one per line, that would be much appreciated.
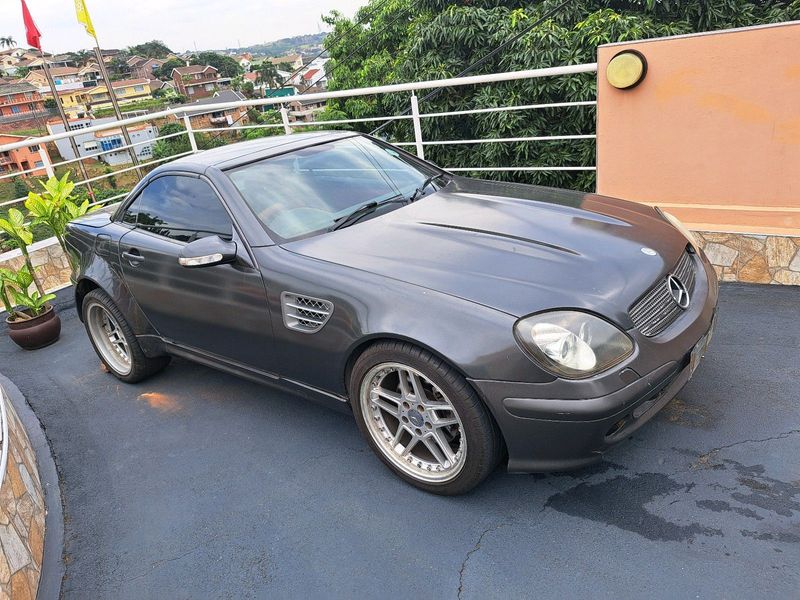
(218, 310)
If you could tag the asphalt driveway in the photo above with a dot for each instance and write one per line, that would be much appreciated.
(197, 484)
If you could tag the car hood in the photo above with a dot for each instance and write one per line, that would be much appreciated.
(515, 248)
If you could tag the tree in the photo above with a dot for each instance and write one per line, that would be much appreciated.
(21, 71)
(172, 146)
(151, 49)
(248, 89)
(164, 72)
(7, 42)
(81, 57)
(269, 74)
(410, 40)
(226, 65)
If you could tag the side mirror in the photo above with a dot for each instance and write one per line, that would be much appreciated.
(207, 251)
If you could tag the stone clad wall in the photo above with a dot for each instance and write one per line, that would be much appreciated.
(22, 514)
(52, 266)
(753, 258)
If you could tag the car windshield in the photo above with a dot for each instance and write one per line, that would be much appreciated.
(306, 191)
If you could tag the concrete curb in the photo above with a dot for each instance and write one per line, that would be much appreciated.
(52, 560)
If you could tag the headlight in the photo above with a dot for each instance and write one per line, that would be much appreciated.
(675, 222)
(573, 344)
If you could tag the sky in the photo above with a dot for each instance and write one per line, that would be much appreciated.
(210, 24)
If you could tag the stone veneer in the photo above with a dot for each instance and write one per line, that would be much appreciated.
(736, 257)
(753, 258)
(22, 514)
(51, 266)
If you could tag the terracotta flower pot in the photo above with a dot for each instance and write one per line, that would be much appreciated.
(37, 332)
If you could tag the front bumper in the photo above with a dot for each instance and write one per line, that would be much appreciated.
(565, 425)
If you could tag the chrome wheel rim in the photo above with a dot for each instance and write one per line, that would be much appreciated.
(109, 339)
(413, 422)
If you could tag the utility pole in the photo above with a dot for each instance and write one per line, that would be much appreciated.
(65, 121)
(110, 88)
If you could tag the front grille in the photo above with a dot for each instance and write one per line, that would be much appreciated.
(657, 310)
(304, 313)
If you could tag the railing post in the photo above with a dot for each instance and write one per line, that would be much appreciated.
(46, 161)
(285, 118)
(187, 123)
(417, 126)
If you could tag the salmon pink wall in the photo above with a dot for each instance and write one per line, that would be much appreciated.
(712, 133)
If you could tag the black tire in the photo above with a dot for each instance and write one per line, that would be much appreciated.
(141, 366)
(484, 443)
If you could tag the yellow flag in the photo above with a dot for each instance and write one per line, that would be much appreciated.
(83, 17)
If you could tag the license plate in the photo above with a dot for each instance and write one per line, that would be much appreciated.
(700, 348)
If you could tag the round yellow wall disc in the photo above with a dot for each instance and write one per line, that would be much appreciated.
(625, 70)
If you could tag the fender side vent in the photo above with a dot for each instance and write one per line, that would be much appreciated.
(304, 313)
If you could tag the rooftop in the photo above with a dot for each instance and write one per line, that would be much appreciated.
(219, 97)
(192, 69)
(16, 88)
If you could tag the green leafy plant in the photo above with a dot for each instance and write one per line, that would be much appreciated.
(7, 276)
(56, 206)
(21, 236)
(17, 287)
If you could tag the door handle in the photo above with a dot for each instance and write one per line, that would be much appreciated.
(133, 257)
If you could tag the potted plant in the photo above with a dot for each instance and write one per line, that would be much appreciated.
(36, 324)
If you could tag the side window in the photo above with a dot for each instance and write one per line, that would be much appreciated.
(179, 208)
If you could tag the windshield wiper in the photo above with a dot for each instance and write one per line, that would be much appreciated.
(362, 211)
(418, 192)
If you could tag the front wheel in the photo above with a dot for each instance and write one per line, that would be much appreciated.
(423, 419)
(115, 342)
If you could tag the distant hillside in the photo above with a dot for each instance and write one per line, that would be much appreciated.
(299, 43)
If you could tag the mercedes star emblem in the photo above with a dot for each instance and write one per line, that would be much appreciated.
(678, 291)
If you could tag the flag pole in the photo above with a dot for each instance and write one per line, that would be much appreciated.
(65, 120)
(110, 89)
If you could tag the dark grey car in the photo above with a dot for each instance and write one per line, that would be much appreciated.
(462, 321)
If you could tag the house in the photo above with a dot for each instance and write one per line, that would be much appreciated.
(65, 78)
(53, 60)
(147, 68)
(109, 55)
(315, 78)
(102, 144)
(293, 60)
(203, 115)
(22, 159)
(305, 110)
(126, 91)
(90, 73)
(197, 81)
(8, 64)
(20, 101)
(245, 60)
(73, 103)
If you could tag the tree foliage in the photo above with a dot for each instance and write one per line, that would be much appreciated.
(151, 49)
(411, 40)
(164, 72)
(226, 65)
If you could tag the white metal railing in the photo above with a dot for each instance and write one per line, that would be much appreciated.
(184, 113)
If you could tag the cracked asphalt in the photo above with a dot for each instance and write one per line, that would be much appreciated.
(197, 484)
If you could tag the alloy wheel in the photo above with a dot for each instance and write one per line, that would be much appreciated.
(109, 339)
(413, 423)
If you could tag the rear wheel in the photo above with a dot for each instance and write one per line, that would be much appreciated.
(423, 419)
(114, 341)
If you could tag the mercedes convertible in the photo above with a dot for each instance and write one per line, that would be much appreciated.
(464, 322)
